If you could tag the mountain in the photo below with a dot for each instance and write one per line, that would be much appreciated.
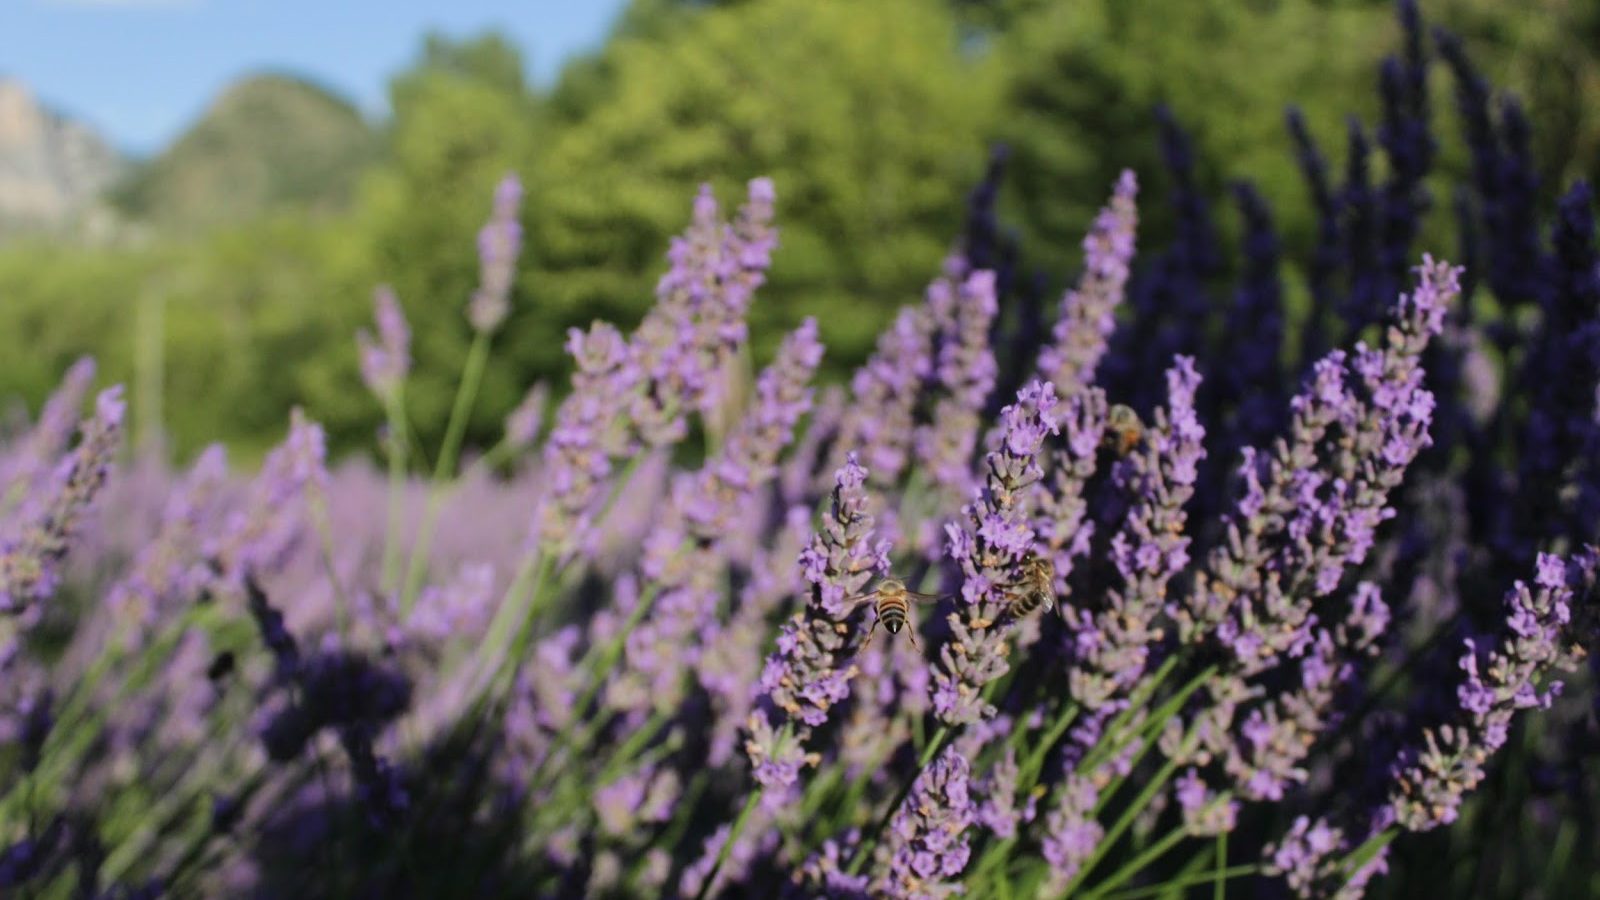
(52, 169)
(268, 142)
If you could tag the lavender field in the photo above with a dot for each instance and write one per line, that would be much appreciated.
(1192, 580)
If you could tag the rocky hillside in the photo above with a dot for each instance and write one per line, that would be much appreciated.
(267, 143)
(52, 169)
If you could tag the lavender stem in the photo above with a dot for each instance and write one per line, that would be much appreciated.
(444, 466)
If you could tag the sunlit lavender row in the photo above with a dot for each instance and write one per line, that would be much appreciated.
(1193, 579)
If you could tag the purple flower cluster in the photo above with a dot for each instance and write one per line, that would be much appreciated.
(811, 669)
(1087, 317)
(990, 551)
(1431, 780)
(927, 847)
(386, 359)
(499, 243)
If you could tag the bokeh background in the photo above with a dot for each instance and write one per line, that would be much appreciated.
(204, 193)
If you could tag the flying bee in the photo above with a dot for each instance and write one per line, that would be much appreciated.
(1124, 431)
(892, 601)
(1036, 588)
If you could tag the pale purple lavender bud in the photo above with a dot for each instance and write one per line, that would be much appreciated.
(966, 374)
(1205, 812)
(998, 812)
(1112, 641)
(1431, 781)
(499, 243)
(37, 452)
(644, 796)
(757, 839)
(1276, 737)
(1310, 509)
(990, 551)
(1088, 311)
(808, 673)
(524, 422)
(170, 569)
(459, 608)
(1071, 831)
(749, 457)
(589, 431)
(1063, 531)
(926, 848)
(258, 535)
(386, 359)
(878, 423)
(823, 875)
(698, 322)
(1311, 859)
(31, 558)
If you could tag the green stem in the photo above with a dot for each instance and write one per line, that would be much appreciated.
(444, 466)
(738, 825)
(1219, 888)
(1137, 864)
(1138, 805)
(1189, 881)
(727, 846)
(395, 408)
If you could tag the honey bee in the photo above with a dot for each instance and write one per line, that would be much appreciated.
(893, 601)
(1124, 431)
(1036, 588)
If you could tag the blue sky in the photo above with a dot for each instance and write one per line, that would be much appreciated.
(140, 70)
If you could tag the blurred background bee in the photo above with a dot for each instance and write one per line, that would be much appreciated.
(893, 607)
(1035, 590)
(1124, 431)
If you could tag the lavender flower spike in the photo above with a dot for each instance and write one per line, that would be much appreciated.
(807, 675)
(385, 360)
(499, 243)
(30, 561)
(926, 848)
(1078, 342)
(1311, 509)
(990, 551)
(1431, 781)
(967, 373)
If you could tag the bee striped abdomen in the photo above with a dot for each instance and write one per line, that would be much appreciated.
(892, 611)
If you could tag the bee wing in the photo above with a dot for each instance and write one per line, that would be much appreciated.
(869, 597)
(919, 597)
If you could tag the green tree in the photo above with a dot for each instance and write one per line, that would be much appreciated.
(866, 115)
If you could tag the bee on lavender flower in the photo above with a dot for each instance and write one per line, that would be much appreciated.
(1035, 590)
(1124, 431)
(893, 600)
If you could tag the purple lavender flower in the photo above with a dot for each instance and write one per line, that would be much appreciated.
(1431, 781)
(36, 454)
(808, 673)
(966, 373)
(1111, 642)
(926, 847)
(588, 433)
(524, 422)
(698, 322)
(499, 243)
(258, 535)
(50, 519)
(990, 551)
(1310, 509)
(386, 359)
(170, 569)
(878, 422)
(1311, 859)
(1087, 317)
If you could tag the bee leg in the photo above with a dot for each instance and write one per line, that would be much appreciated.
(911, 635)
(868, 642)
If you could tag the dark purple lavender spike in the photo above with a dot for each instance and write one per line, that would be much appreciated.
(1325, 254)
(1363, 302)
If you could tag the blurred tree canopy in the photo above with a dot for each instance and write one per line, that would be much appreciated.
(873, 119)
